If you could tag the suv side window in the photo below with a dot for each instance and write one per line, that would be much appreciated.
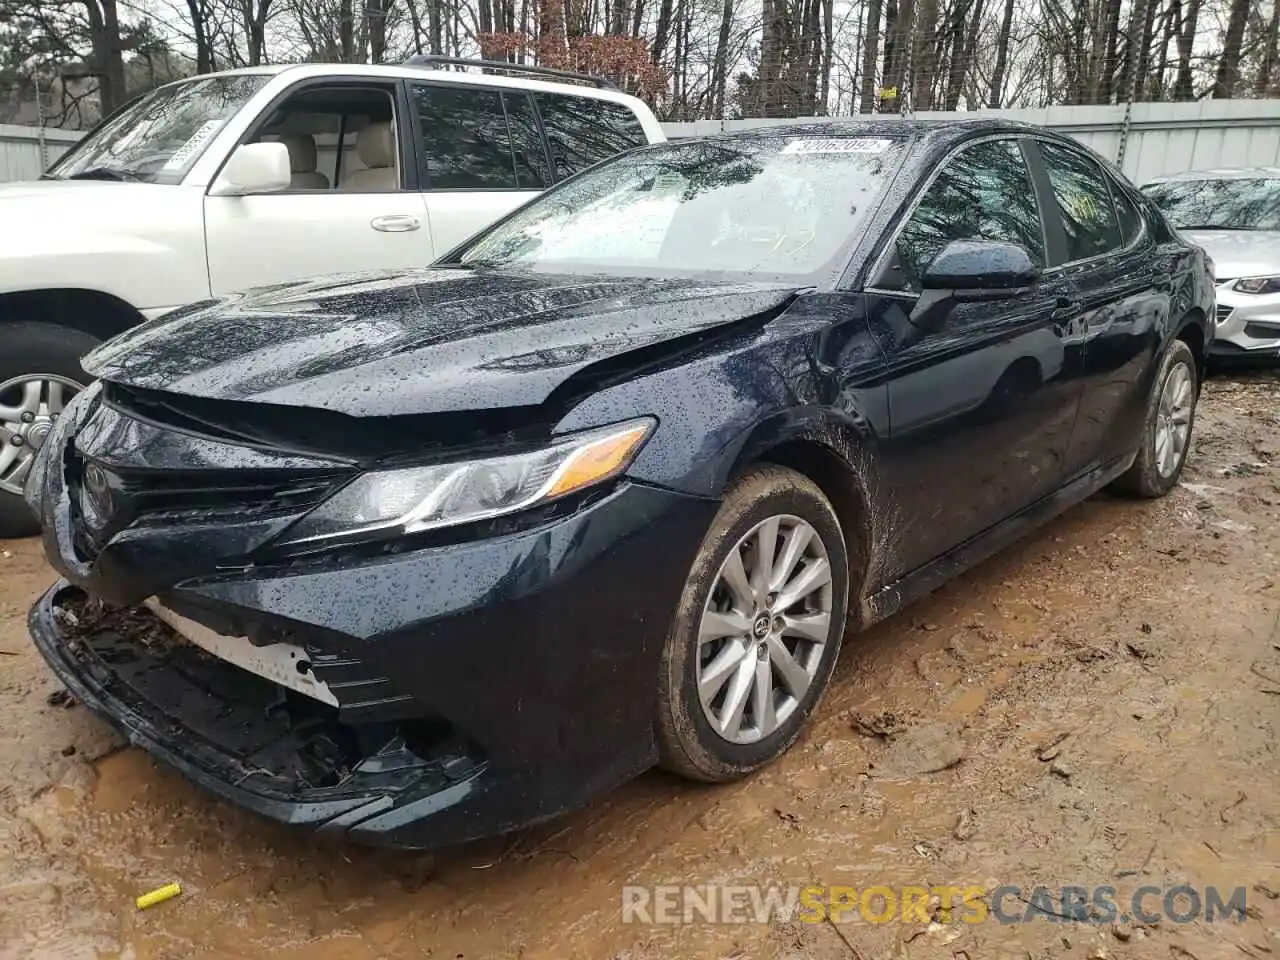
(983, 193)
(465, 141)
(1083, 200)
(582, 131)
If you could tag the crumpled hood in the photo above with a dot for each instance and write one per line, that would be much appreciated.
(429, 341)
(1239, 253)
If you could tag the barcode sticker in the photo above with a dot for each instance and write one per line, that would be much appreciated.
(838, 145)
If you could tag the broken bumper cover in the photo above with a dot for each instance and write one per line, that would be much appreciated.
(537, 650)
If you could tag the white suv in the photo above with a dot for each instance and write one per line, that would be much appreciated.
(259, 176)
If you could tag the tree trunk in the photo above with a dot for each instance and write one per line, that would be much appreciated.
(870, 56)
(1002, 56)
(1262, 86)
(1182, 88)
(923, 46)
(720, 65)
(1224, 85)
(963, 55)
(1110, 41)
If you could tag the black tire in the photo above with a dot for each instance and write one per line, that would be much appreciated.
(36, 348)
(688, 744)
(1144, 480)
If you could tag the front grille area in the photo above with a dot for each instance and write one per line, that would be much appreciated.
(1224, 313)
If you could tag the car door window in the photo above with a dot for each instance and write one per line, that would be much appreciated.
(1128, 214)
(582, 131)
(526, 141)
(983, 193)
(465, 141)
(1083, 200)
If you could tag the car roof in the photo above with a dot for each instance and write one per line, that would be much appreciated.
(529, 81)
(884, 125)
(1221, 173)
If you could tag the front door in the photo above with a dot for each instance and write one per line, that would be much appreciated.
(980, 411)
(356, 208)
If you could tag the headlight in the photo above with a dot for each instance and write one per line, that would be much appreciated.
(448, 494)
(1257, 285)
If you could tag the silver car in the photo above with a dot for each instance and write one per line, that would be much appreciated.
(1235, 216)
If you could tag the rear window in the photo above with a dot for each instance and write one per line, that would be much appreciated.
(582, 131)
(1228, 203)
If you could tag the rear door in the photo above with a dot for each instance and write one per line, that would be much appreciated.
(1121, 283)
(480, 155)
(980, 411)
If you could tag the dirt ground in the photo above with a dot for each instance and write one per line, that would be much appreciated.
(1148, 634)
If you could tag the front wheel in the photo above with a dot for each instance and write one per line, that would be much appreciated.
(39, 373)
(1166, 432)
(758, 628)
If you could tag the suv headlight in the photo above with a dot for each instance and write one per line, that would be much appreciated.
(1257, 285)
(413, 499)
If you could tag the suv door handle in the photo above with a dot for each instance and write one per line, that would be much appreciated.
(1067, 316)
(395, 224)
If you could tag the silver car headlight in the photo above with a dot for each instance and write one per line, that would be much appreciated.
(414, 499)
(1257, 285)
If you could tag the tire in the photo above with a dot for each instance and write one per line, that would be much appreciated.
(1146, 479)
(33, 350)
(688, 744)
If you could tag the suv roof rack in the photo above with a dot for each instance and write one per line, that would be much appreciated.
(438, 60)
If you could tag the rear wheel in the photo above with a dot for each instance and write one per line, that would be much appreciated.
(1166, 434)
(39, 374)
(758, 629)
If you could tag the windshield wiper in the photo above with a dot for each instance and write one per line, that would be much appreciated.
(103, 173)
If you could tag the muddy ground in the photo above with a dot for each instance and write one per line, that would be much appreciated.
(1146, 633)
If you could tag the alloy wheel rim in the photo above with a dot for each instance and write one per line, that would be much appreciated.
(763, 629)
(1173, 419)
(29, 407)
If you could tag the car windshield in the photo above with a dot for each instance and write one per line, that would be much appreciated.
(159, 136)
(1225, 204)
(781, 207)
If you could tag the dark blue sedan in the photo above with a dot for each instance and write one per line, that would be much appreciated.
(419, 557)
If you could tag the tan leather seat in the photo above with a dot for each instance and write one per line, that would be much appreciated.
(376, 148)
(302, 163)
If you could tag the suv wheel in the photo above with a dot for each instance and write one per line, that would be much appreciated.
(758, 629)
(39, 373)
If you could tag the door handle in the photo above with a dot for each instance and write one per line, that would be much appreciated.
(1067, 316)
(395, 224)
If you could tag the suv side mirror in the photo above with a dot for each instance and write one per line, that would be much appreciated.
(254, 168)
(981, 270)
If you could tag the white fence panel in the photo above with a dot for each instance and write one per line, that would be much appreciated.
(23, 156)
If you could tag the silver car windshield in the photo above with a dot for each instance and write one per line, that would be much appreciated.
(1219, 204)
(158, 137)
(785, 207)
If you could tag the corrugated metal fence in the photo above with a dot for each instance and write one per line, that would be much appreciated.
(25, 152)
(1157, 138)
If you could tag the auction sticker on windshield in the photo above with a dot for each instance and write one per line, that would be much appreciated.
(838, 145)
(194, 143)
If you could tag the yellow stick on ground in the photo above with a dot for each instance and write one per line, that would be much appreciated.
(166, 892)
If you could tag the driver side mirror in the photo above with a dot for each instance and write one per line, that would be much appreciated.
(981, 270)
(254, 168)
(969, 270)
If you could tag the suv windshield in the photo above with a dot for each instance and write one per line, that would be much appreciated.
(161, 134)
(782, 207)
(1228, 204)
